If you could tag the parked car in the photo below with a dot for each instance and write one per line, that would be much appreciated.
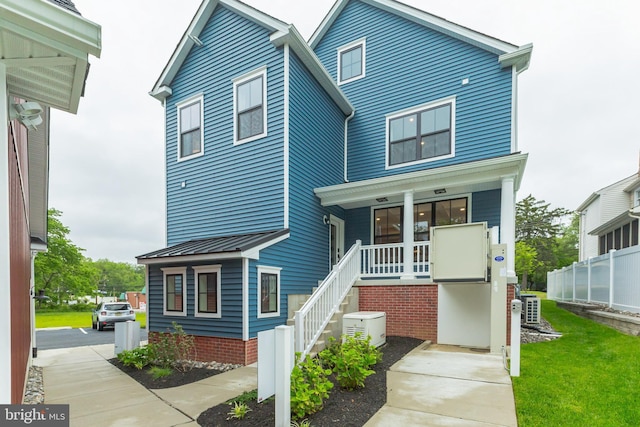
(110, 313)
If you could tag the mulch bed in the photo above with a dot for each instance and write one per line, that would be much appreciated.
(343, 407)
(176, 378)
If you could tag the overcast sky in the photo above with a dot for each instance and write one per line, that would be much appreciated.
(579, 108)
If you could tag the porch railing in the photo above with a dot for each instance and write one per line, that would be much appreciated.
(388, 259)
(315, 314)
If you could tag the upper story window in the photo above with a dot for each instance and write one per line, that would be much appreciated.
(208, 283)
(174, 291)
(269, 291)
(421, 134)
(351, 61)
(190, 119)
(250, 106)
(636, 198)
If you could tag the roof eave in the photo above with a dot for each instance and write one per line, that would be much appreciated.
(519, 58)
(587, 202)
(293, 38)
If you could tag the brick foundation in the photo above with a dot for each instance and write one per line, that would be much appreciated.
(412, 311)
(223, 350)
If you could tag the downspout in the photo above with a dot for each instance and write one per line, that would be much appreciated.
(346, 141)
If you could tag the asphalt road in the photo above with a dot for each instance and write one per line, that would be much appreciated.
(47, 339)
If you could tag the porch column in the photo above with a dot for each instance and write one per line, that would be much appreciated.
(508, 224)
(407, 236)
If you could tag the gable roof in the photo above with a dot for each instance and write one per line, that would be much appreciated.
(282, 33)
(226, 247)
(66, 4)
(510, 54)
(626, 184)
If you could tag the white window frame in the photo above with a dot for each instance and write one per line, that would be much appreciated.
(174, 271)
(360, 42)
(269, 270)
(636, 197)
(262, 71)
(192, 100)
(450, 100)
(203, 269)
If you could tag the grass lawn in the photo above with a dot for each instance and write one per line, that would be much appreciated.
(75, 319)
(589, 377)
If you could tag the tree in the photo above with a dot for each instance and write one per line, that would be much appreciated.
(539, 227)
(526, 262)
(118, 277)
(62, 269)
(566, 249)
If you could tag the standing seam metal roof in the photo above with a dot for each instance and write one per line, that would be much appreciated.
(215, 245)
(66, 4)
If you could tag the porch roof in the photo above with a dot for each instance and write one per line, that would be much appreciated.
(467, 177)
(216, 248)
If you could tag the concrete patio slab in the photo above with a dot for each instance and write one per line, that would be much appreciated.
(390, 416)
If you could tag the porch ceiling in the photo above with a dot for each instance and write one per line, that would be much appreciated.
(45, 49)
(456, 179)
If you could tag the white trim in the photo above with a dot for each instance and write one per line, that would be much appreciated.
(285, 148)
(259, 72)
(199, 98)
(268, 270)
(5, 246)
(146, 288)
(245, 299)
(171, 271)
(340, 225)
(202, 269)
(361, 42)
(434, 104)
(420, 17)
(166, 182)
(514, 110)
(468, 196)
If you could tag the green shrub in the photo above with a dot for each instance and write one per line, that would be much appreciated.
(309, 386)
(238, 411)
(245, 397)
(350, 360)
(172, 347)
(138, 357)
(157, 372)
(81, 306)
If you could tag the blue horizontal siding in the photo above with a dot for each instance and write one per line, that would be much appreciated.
(231, 189)
(316, 141)
(408, 65)
(358, 226)
(229, 325)
(485, 206)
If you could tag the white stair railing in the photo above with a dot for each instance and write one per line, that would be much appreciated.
(314, 316)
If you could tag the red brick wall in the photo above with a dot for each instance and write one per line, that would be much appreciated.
(412, 311)
(223, 350)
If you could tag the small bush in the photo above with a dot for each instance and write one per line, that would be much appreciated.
(350, 360)
(245, 397)
(238, 411)
(157, 372)
(309, 387)
(137, 358)
(81, 306)
(172, 347)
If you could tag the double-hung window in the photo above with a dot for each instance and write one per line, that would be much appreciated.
(421, 134)
(208, 282)
(175, 291)
(268, 291)
(190, 135)
(351, 61)
(250, 106)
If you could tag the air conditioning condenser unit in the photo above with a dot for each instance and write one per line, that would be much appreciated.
(367, 323)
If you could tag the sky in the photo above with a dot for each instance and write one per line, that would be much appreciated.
(578, 106)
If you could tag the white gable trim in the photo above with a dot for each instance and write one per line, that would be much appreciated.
(420, 17)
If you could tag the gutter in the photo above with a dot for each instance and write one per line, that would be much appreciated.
(346, 141)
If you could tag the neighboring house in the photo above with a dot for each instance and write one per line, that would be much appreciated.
(282, 155)
(137, 300)
(43, 64)
(609, 218)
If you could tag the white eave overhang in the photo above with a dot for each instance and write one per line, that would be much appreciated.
(519, 58)
(480, 175)
(592, 198)
(45, 49)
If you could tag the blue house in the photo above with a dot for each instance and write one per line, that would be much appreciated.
(294, 165)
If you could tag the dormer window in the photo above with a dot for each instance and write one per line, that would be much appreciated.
(250, 106)
(190, 120)
(351, 61)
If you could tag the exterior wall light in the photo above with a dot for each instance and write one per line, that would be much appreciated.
(27, 113)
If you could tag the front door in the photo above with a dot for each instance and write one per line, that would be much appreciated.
(336, 240)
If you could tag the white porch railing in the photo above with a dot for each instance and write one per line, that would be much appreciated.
(610, 279)
(387, 260)
(315, 314)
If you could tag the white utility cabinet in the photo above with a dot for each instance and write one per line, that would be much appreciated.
(127, 335)
(368, 323)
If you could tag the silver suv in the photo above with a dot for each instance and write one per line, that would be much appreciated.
(109, 313)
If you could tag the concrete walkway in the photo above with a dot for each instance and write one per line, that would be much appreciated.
(431, 386)
(99, 394)
(447, 386)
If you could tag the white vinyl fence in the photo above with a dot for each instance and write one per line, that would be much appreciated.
(612, 279)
